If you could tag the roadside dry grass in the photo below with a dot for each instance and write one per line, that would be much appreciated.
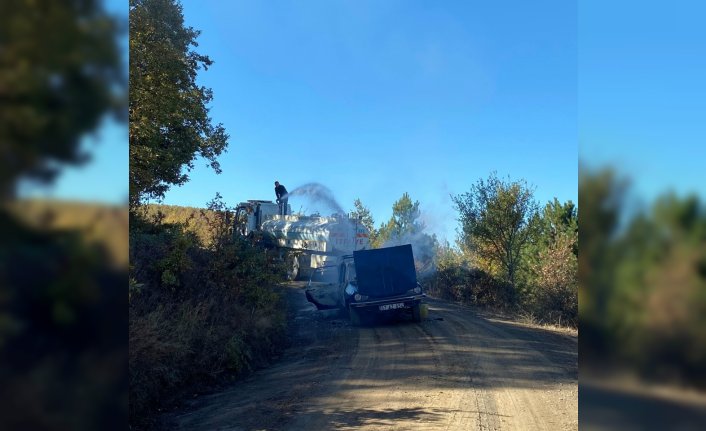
(198, 312)
(106, 225)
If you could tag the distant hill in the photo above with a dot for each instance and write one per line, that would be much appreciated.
(196, 220)
(108, 224)
(98, 223)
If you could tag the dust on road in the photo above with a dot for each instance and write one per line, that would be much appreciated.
(456, 370)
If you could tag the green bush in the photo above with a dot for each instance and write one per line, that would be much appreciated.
(62, 320)
(548, 290)
(197, 311)
(455, 279)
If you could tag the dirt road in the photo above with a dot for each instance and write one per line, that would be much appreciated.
(619, 405)
(457, 370)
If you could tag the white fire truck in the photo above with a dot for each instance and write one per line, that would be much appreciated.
(317, 240)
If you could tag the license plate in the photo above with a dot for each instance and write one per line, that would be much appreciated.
(391, 306)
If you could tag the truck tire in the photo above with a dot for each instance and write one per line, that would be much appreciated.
(425, 311)
(417, 313)
(354, 315)
(293, 271)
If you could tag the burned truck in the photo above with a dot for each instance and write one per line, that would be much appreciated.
(369, 282)
(313, 241)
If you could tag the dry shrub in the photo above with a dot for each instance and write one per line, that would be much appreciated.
(456, 280)
(214, 312)
(554, 295)
(62, 320)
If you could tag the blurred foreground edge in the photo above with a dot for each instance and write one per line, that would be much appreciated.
(63, 320)
(623, 404)
(63, 267)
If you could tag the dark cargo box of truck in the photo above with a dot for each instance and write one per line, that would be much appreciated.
(385, 272)
(386, 283)
(378, 281)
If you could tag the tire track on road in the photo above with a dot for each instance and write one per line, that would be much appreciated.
(454, 371)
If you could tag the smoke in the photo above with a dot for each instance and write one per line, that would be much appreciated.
(423, 248)
(438, 215)
(433, 224)
(423, 243)
(318, 193)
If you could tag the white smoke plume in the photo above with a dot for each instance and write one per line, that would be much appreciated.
(318, 193)
(423, 248)
(423, 244)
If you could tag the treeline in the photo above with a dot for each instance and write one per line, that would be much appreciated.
(510, 253)
(642, 281)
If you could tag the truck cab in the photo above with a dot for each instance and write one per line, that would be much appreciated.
(250, 215)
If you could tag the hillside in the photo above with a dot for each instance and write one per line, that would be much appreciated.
(106, 225)
(196, 220)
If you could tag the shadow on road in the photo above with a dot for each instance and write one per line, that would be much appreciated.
(332, 372)
(605, 408)
(357, 418)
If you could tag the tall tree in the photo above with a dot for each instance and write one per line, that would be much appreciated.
(558, 218)
(657, 303)
(405, 227)
(404, 220)
(497, 219)
(362, 213)
(602, 194)
(60, 74)
(551, 259)
(557, 222)
(169, 119)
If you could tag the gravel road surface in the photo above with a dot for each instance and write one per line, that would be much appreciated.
(457, 370)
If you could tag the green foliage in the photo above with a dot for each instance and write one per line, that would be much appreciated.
(456, 279)
(657, 301)
(511, 256)
(643, 300)
(199, 221)
(405, 227)
(602, 194)
(169, 121)
(553, 293)
(556, 220)
(62, 309)
(404, 220)
(550, 285)
(362, 213)
(60, 75)
(497, 221)
(200, 310)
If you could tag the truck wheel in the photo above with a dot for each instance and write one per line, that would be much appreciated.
(425, 311)
(354, 316)
(417, 313)
(293, 269)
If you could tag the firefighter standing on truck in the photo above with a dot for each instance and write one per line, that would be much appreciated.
(282, 197)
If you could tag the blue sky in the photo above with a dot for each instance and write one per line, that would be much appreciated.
(374, 99)
(105, 177)
(642, 98)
